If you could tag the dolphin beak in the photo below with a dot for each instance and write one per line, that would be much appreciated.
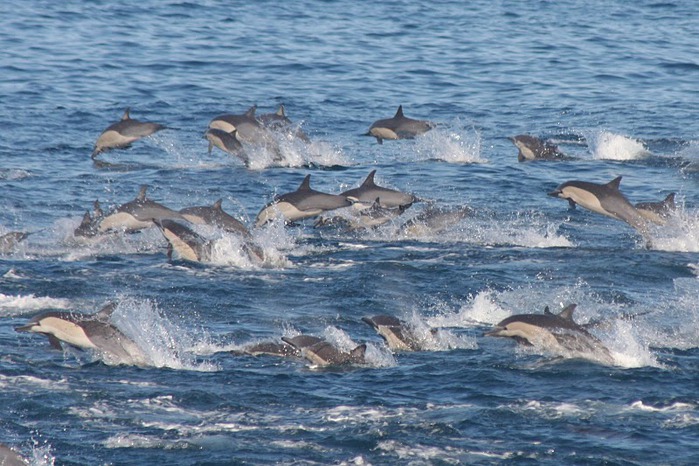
(495, 332)
(24, 328)
(555, 193)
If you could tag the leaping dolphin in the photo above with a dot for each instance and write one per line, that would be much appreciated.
(322, 353)
(123, 133)
(369, 191)
(605, 199)
(137, 214)
(215, 215)
(9, 241)
(93, 332)
(300, 204)
(227, 142)
(554, 332)
(398, 127)
(396, 333)
(532, 148)
(657, 212)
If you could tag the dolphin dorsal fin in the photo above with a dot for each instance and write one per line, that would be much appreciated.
(369, 181)
(126, 116)
(547, 311)
(106, 312)
(217, 204)
(97, 209)
(305, 184)
(669, 202)
(399, 113)
(251, 112)
(358, 353)
(280, 111)
(615, 183)
(87, 220)
(567, 313)
(142, 193)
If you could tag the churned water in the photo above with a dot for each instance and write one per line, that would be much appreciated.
(612, 83)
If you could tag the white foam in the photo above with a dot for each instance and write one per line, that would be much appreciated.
(679, 234)
(19, 305)
(450, 143)
(611, 146)
(375, 356)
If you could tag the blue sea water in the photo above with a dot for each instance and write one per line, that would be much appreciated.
(612, 83)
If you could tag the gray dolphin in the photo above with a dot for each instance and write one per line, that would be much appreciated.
(89, 225)
(278, 121)
(605, 199)
(9, 457)
(557, 332)
(369, 191)
(657, 212)
(300, 204)
(246, 126)
(533, 148)
(137, 214)
(227, 142)
(396, 333)
(10, 241)
(268, 348)
(82, 331)
(398, 127)
(322, 353)
(184, 241)
(123, 133)
(434, 220)
(364, 219)
(215, 215)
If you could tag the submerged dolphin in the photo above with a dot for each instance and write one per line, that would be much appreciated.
(533, 148)
(215, 215)
(9, 241)
(227, 142)
(657, 212)
(9, 457)
(396, 333)
(137, 214)
(82, 331)
(300, 204)
(278, 121)
(322, 353)
(555, 332)
(398, 127)
(369, 191)
(605, 199)
(123, 133)
(434, 220)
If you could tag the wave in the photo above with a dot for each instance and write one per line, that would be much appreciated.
(23, 304)
(605, 145)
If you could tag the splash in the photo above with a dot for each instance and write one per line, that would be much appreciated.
(452, 143)
(288, 150)
(163, 342)
(610, 146)
(20, 305)
(375, 356)
(679, 234)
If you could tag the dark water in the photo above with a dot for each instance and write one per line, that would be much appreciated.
(612, 83)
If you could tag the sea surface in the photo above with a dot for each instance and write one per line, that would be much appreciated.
(612, 83)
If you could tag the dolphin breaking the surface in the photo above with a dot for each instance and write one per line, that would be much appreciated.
(532, 148)
(123, 133)
(398, 127)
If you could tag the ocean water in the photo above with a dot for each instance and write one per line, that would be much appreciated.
(612, 83)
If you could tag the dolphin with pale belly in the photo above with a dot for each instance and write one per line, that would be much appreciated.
(123, 133)
(398, 127)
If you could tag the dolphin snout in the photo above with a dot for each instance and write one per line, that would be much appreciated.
(555, 193)
(24, 328)
(495, 332)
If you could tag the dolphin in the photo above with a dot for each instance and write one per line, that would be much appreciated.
(191, 246)
(137, 214)
(89, 225)
(82, 331)
(557, 332)
(533, 148)
(367, 218)
(247, 128)
(396, 333)
(268, 348)
(398, 127)
(300, 204)
(605, 199)
(123, 133)
(9, 241)
(369, 191)
(227, 142)
(215, 215)
(9, 457)
(322, 353)
(657, 212)
(434, 220)
(278, 121)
